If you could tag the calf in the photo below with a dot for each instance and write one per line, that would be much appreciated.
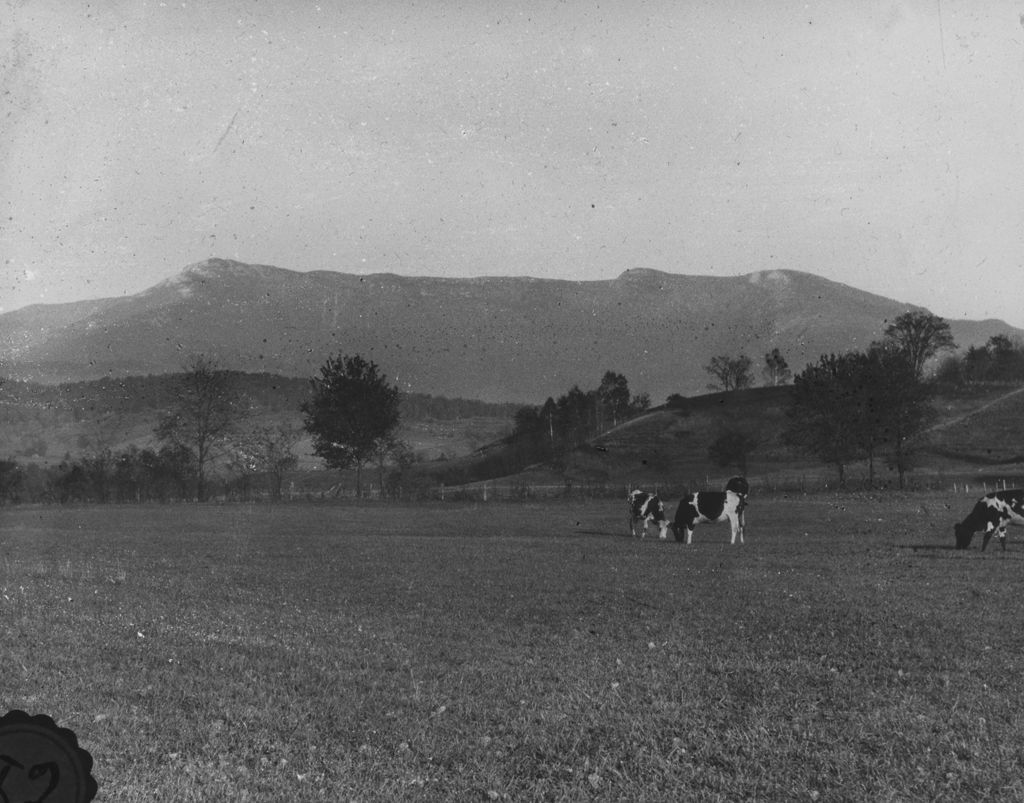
(991, 513)
(649, 509)
(708, 506)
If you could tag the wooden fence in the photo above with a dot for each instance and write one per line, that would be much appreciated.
(512, 491)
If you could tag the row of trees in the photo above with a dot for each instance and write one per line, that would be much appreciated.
(917, 336)
(140, 475)
(999, 360)
(736, 373)
(871, 404)
(858, 405)
(559, 425)
(844, 407)
(352, 413)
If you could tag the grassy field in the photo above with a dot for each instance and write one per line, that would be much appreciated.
(520, 652)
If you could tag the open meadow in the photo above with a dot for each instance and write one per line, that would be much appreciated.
(520, 651)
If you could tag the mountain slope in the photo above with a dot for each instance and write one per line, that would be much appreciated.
(496, 339)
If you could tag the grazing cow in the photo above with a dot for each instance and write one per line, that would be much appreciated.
(649, 509)
(708, 506)
(991, 513)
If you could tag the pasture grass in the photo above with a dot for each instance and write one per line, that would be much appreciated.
(519, 652)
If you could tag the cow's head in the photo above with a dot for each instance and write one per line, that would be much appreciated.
(738, 485)
(964, 533)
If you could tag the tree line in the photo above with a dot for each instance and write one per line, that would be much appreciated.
(999, 360)
(26, 402)
(857, 405)
(148, 474)
(736, 373)
(870, 405)
(560, 425)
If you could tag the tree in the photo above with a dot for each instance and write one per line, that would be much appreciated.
(613, 397)
(999, 360)
(205, 411)
(1007, 359)
(857, 404)
(265, 450)
(396, 452)
(904, 402)
(676, 401)
(352, 410)
(574, 412)
(640, 403)
(776, 371)
(824, 412)
(920, 335)
(732, 373)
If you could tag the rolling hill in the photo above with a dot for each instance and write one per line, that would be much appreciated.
(976, 435)
(495, 339)
(976, 438)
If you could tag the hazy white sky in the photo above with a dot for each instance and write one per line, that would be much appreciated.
(874, 143)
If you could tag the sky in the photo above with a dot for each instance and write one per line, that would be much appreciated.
(879, 144)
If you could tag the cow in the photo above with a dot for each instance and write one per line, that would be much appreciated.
(708, 506)
(991, 513)
(649, 509)
(738, 485)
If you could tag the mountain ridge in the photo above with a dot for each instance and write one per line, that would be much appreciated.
(518, 338)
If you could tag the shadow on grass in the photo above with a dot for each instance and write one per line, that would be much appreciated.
(619, 534)
(606, 533)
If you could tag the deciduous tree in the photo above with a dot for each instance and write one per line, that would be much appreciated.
(857, 405)
(268, 451)
(903, 401)
(824, 413)
(204, 412)
(351, 411)
(613, 398)
(920, 335)
(776, 371)
(731, 373)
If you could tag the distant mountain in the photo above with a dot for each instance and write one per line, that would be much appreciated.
(494, 339)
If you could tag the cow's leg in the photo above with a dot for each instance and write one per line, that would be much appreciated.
(987, 537)
(689, 535)
(734, 525)
(1001, 534)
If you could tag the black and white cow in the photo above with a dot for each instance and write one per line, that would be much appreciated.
(991, 513)
(648, 509)
(708, 506)
(738, 485)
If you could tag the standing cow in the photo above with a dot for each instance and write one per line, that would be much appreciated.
(991, 514)
(707, 506)
(648, 509)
